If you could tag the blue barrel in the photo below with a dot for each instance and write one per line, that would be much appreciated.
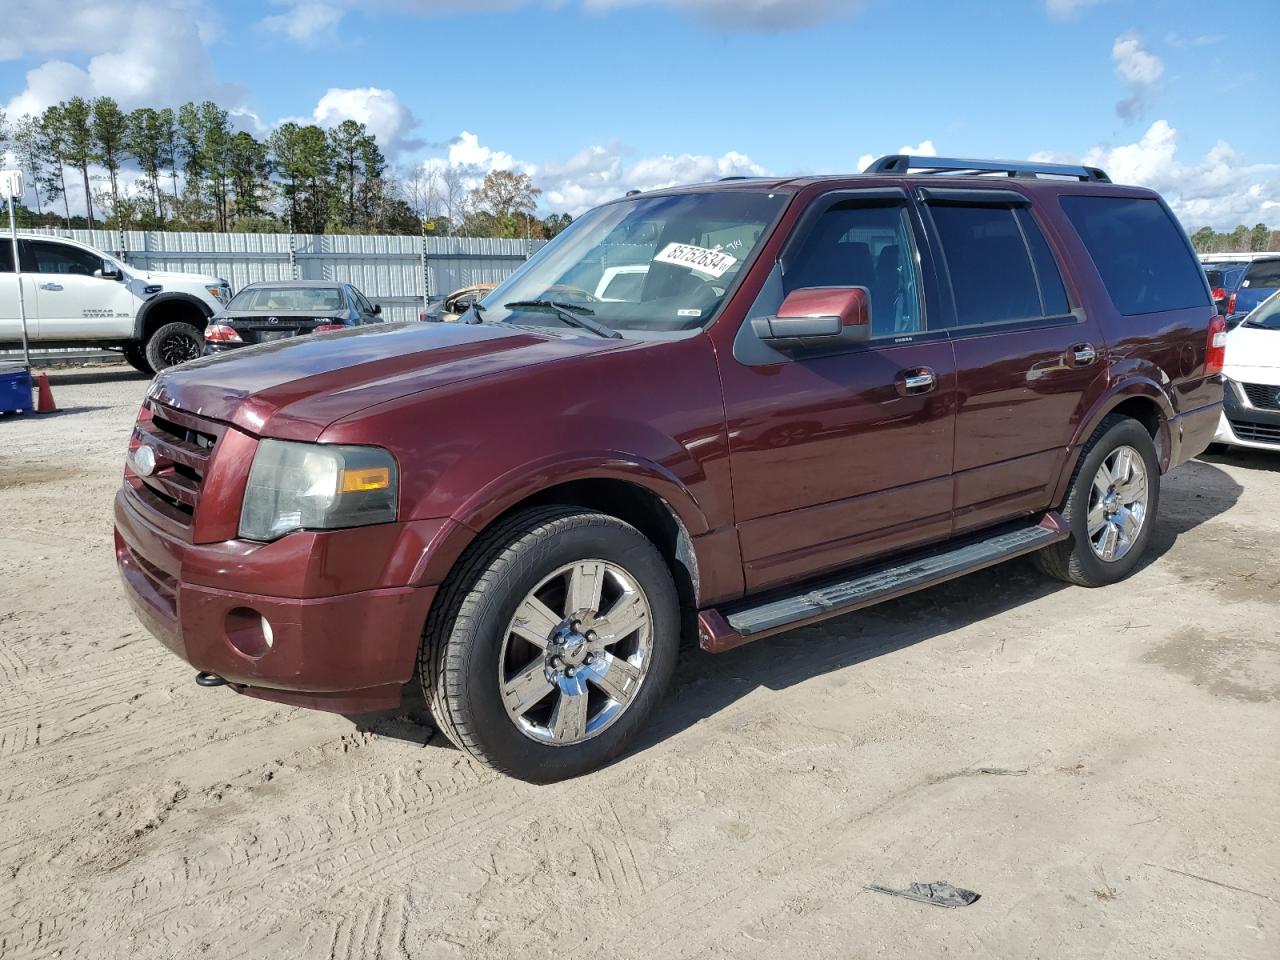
(15, 388)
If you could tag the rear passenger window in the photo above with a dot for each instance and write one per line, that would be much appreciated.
(1052, 291)
(1263, 273)
(1142, 255)
(6, 256)
(989, 264)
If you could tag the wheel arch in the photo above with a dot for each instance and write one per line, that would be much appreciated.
(1139, 399)
(635, 499)
(166, 308)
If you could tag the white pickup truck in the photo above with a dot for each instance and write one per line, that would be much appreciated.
(77, 296)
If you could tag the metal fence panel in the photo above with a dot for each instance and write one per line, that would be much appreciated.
(389, 270)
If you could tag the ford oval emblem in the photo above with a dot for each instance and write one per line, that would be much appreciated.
(144, 461)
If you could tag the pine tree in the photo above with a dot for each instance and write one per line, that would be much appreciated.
(110, 128)
(76, 117)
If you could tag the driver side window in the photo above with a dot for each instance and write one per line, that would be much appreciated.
(854, 244)
(61, 259)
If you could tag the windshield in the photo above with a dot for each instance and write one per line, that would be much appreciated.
(652, 263)
(1267, 315)
(288, 299)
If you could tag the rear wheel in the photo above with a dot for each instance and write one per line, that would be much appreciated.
(1111, 507)
(135, 354)
(174, 343)
(552, 643)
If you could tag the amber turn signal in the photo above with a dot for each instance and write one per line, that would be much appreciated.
(368, 478)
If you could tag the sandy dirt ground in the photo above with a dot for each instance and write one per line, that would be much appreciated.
(144, 817)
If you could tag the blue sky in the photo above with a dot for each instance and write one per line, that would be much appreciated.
(593, 97)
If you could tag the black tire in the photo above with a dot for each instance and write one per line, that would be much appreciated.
(465, 632)
(136, 356)
(174, 343)
(1074, 560)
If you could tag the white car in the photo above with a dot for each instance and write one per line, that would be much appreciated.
(1251, 377)
(77, 296)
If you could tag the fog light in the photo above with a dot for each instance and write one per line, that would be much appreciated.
(249, 633)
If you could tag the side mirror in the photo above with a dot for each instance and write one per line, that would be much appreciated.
(818, 317)
(377, 309)
(108, 272)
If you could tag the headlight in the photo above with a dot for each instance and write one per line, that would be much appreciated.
(311, 486)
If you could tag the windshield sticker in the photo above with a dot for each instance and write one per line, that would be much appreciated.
(688, 313)
(711, 262)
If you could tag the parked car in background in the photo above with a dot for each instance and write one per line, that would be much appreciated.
(1251, 380)
(77, 296)
(1261, 279)
(455, 304)
(826, 392)
(281, 309)
(1224, 280)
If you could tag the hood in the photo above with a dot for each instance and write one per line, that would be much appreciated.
(171, 276)
(293, 389)
(1253, 347)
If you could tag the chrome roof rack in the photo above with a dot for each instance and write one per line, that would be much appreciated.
(901, 164)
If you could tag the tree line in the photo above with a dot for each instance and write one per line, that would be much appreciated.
(194, 171)
(1257, 239)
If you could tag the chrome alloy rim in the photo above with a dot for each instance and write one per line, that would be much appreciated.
(1118, 503)
(576, 653)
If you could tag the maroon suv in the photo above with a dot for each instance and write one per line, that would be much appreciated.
(722, 410)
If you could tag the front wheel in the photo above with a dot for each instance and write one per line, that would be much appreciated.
(552, 643)
(174, 343)
(1111, 507)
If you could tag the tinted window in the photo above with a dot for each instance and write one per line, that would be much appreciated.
(286, 299)
(62, 259)
(1263, 273)
(6, 256)
(1052, 292)
(863, 246)
(989, 265)
(1141, 254)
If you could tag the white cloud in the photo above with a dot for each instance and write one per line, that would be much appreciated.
(1140, 69)
(1220, 190)
(1066, 9)
(306, 22)
(924, 148)
(381, 111)
(593, 175)
(139, 53)
(1201, 40)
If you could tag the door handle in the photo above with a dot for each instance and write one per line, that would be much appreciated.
(912, 383)
(1083, 354)
(50, 286)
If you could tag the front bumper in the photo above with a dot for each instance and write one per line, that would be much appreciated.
(1243, 424)
(344, 652)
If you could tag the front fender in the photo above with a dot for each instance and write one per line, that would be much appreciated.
(519, 484)
(171, 297)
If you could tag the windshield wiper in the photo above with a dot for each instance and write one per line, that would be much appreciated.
(566, 312)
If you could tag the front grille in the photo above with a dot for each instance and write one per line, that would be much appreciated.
(183, 445)
(1256, 432)
(1264, 396)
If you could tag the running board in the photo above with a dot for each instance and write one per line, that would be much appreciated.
(741, 623)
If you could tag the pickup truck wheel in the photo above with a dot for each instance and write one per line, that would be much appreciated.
(136, 356)
(174, 343)
(552, 643)
(1111, 507)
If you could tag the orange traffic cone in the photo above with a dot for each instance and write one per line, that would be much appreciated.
(44, 395)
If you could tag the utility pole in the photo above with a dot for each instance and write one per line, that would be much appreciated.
(11, 182)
